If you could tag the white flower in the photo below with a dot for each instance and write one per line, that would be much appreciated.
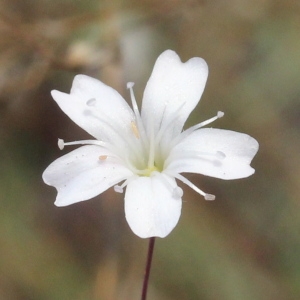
(147, 151)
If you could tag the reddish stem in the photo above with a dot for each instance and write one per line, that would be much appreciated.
(148, 267)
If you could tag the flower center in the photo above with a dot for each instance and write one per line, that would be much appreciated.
(148, 161)
(149, 171)
(149, 148)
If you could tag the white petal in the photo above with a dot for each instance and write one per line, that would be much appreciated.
(83, 174)
(173, 91)
(218, 153)
(97, 108)
(152, 206)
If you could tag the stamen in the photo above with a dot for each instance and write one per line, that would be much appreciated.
(133, 101)
(120, 188)
(219, 115)
(139, 126)
(176, 191)
(86, 142)
(135, 130)
(103, 157)
(108, 125)
(191, 185)
(185, 133)
(61, 143)
(130, 86)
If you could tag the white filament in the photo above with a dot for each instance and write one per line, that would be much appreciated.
(191, 185)
(187, 132)
(61, 143)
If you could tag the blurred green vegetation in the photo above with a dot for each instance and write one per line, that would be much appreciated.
(245, 245)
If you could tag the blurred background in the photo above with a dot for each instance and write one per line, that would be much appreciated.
(245, 245)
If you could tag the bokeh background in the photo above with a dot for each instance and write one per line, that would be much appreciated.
(243, 246)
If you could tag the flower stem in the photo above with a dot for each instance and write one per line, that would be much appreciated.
(148, 267)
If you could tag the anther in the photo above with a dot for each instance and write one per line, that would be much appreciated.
(61, 144)
(137, 126)
(191, 185)
(130, 85)
(177, 192)
(209, 197)
(118, 189)
(135, 129)
(220, 114)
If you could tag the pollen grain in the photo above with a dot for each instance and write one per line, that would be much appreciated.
(135, 129)
(103, 157)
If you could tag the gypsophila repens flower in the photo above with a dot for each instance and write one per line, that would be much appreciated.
(146, 152)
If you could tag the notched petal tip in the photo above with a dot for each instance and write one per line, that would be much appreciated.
(82, 81)
(174, 87)
(172, 55)
(255, 145)
(66, 201)
(61, 203)
(45, 177)
(55, 94)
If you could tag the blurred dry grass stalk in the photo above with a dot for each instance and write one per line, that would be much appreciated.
(243, 246)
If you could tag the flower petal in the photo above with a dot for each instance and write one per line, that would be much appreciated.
(173, 91)
(217, 153)
(83, 174)
(98, 109)
(152, 205)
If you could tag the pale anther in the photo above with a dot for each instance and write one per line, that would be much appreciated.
(61, 144)
(130, 85)
(103, 157)
(177, 192)
(209, 197)
(118, 189)
(220, 114)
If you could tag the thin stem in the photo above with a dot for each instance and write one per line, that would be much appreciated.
(148, 267)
